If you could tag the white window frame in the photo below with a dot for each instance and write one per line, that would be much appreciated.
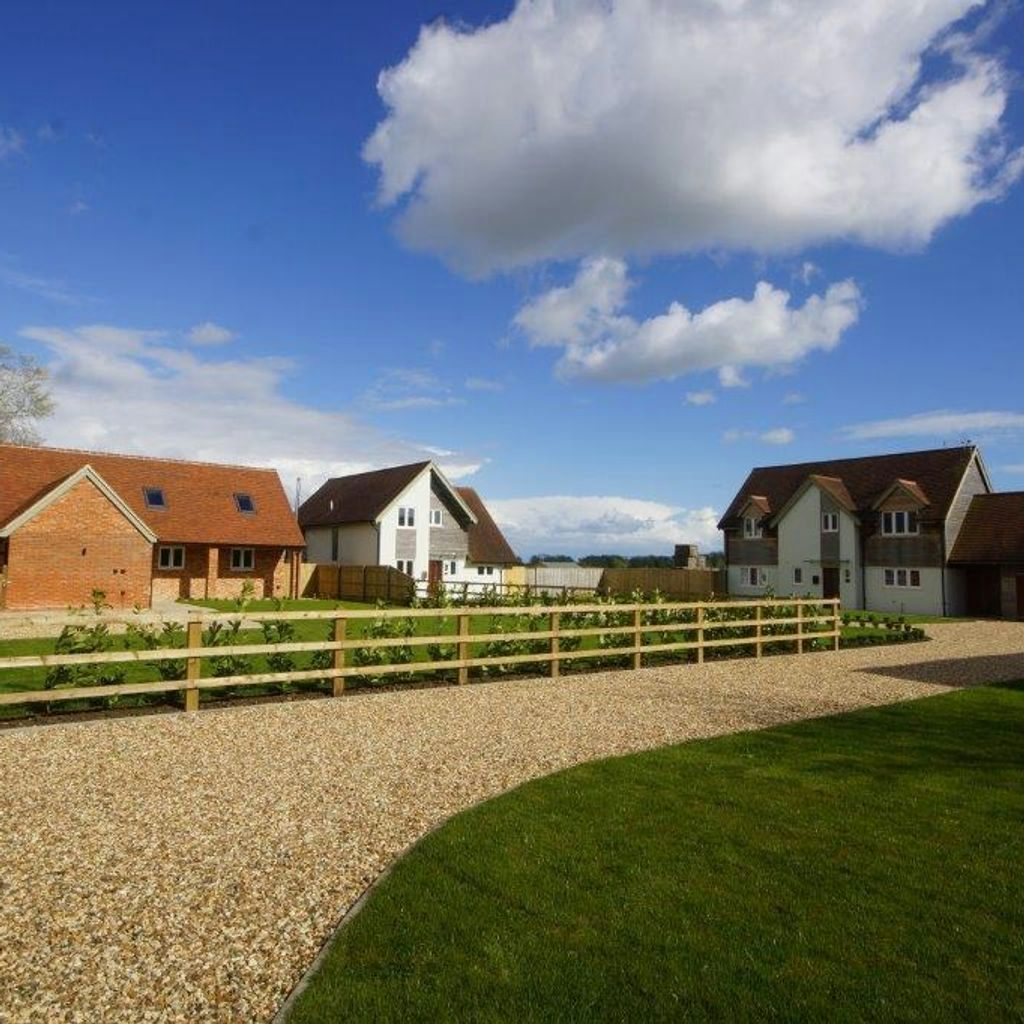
(175, 557)
(753, 576)
(830, 522)
(485, 570)
(406, 517)
(897, 524)
(240, 556)
(901, 579)
(405, 565)
(436, 517)
(752, 528)
(451, 568)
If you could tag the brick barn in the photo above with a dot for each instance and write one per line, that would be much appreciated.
(139, 529)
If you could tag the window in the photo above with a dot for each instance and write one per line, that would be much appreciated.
(896, 524)
(245, 504)
(436, 517)
(334, 544)
(846, 575)
(242, 559)
(798, 575)
(154, 497)
(407, 517)
(751, 576)
(902, 578)
(830, 522)
(752, 527)
(168, 557)
(485, 570)
(450, 568)
(405, 565)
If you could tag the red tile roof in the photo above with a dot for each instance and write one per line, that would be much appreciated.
(358, 498)
(200, 496)
(487, 544)
(993, 531)
(837, 489)
(936, 472)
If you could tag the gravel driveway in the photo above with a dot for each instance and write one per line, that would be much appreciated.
(188, 868)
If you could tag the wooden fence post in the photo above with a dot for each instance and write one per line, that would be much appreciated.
(193, 666)
(700, 635)
(463, 648)
(338, 661)
(758, 646)
(638, 638)
(836, 625)
(556, 645)
(799, 627)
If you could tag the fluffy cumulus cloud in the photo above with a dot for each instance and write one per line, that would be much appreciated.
(209, 333)
(599, 342)
(700, 397)
(940, 424)
(574, 127)
(119, 389)
(598, 523)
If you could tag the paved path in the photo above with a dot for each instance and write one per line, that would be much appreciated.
(187, 868)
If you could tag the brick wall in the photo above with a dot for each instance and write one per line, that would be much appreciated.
(79, 543)
(207, 573)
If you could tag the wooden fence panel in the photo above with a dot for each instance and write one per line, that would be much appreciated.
(815, 620)
(687, 584)
(368, 583)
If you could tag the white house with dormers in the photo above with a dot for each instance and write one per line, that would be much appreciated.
(410, 517)
(876, 532)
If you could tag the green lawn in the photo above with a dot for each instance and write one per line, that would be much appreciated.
(865, 867)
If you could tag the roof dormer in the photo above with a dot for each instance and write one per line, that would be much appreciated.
(902, 496)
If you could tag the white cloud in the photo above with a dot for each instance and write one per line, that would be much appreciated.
(209, 333)
(700, 397)
(777, 435)
(119, 389)
(808, 271)
(1013, 468)
(793, 398)
(574, 127)
(602, 524)
(11, 142)
(483, 384)
(50, 288)
(79, 206)
(398, 389)
(941, 423)
(601, 343)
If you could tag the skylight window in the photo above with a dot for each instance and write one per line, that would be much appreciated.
(245, 504)
(154, 497)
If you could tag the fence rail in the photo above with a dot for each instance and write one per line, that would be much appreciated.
(801, 620)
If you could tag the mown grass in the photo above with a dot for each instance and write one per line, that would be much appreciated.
(864, 867)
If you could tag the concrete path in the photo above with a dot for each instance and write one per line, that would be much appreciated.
(188, 868)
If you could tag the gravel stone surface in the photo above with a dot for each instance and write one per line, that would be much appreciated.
(189, 867)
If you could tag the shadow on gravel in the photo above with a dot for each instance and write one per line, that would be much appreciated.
(981, 670)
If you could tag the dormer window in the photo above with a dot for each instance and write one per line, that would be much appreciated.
(245, 504)
(830, 522)
(154, 497)
(752, 527)
(899, 524)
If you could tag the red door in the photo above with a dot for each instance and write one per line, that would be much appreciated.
(829, 581)
(433, 575)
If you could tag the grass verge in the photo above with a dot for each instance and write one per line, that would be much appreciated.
(860, 867)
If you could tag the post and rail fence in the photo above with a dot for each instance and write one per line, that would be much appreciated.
(759, 626)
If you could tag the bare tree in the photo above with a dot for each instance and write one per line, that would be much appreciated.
(24, 398)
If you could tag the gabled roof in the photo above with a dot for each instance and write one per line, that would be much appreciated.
(759, 501)
(58, 491)
(200, 496)
(937, 472)
(364, 497)
(910, 487)
(835, 489)
(993, 531)
(487, 544)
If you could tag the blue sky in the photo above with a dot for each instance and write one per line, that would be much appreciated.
(597, 258)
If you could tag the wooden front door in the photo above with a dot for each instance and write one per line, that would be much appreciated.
(1020, 596)
(830, 581)
(434, 575)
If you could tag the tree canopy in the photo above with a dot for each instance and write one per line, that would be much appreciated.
(24, 397)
